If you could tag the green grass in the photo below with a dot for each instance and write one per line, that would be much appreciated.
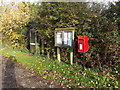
(70, 75)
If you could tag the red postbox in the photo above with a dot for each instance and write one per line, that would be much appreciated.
(82, 43)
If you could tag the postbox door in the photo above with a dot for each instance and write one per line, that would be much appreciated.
(82, 43)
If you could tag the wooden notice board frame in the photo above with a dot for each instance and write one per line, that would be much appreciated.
(61, 37)
(63, 31)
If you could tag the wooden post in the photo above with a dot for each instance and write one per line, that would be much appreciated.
(48, 54)
(54, 55)
(30, 42)
(58, 54)
(71, 50)
(38, 48)
(42, 47)
(71, 56)
(39, 45)
(36, 44)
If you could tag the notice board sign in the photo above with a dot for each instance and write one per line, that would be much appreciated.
(64, 37)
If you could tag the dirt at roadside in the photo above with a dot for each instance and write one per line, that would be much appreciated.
(15, 75)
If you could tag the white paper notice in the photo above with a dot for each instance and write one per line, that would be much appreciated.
(32, 43)
(59, 38)
(70, 38)
(70, 42)
(81, 47)
(70, 35)
(59, 35)
(65, 38)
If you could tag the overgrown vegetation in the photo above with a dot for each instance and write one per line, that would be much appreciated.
(94, 21)
(72, 76)
(100, 24)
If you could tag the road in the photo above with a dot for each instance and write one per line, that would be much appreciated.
(15, 75)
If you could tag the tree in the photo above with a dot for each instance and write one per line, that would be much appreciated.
(14, 19)
(113, 15)
(101, 30)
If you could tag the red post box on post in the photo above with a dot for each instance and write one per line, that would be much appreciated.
(82, 43)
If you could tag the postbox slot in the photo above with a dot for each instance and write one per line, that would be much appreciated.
(80, 39)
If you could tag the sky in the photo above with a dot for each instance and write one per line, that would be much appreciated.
(104, 1)
(61, 0)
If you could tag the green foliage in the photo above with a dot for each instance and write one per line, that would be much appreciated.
(72, 76)
(99, 24)
(25, 50)
(101, 31)
(14, 20)
(95, 22)
(113, 14)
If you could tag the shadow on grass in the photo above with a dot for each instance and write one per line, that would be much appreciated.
(9, 77)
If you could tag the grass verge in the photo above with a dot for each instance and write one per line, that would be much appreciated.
(71, 75)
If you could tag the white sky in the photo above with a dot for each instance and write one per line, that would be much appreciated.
(104, 1)
(60, 0)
